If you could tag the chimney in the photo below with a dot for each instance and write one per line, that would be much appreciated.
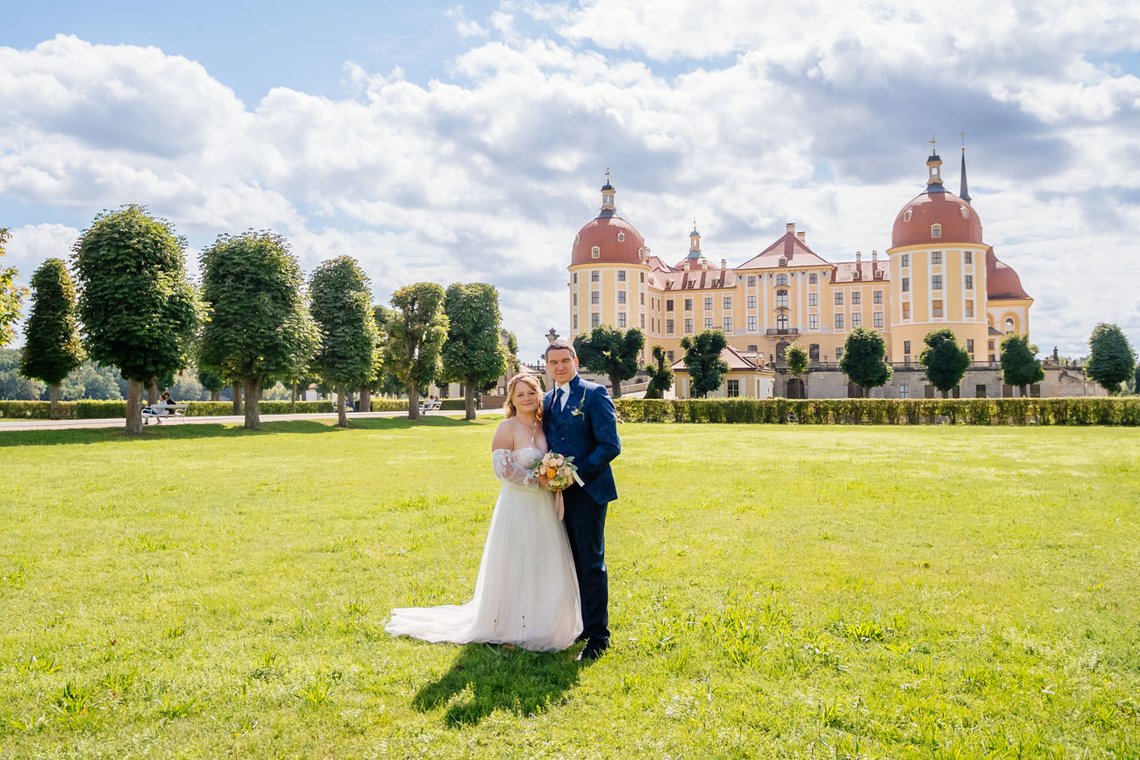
(704, 265)
(724, 263)
(858, 265)
(874, 261)
(801, 236)
(790, 227)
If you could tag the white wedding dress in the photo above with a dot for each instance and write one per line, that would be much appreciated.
(527, 591)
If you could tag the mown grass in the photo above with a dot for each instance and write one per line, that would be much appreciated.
(777, 591)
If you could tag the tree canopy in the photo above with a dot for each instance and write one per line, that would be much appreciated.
(52, 348)
(1111, 358)
(137, 310)
(702, 357)
(797, 359)
(611, 352)
(415, 332)
(946, 362)
(660, 374)
(341, 304)
(1019, 365)
(11, 296)
(864, 359)
(258, 328)
(473, 353)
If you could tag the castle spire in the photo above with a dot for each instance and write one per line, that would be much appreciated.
(964, 193)
(608, 192)
(934, 170)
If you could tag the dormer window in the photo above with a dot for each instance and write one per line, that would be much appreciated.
(621, 237)
(783, 261)
(936, 230)
(965, 212)
(907, 214)
(595, 252)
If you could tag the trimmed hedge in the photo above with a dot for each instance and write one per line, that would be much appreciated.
(89, 410)
(981, 411)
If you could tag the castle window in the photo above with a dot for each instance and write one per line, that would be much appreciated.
(970, 346)
(965, 212)
(781, 279)
(856, 320)
(936, 230)
(751, 280)
(1008, 325)
(595, 297)
(782, 322)
(642, 299)
(752, 324)
(907, 214)
(813, 322)
(970, 309)
(733, 390)
(936, 257)
(936, 282)
(688, 325)
(728, 324)
(856, 298)
(878, 319)
(906, 310)
(575, 323)
(782, 299)
(595, 275)
(878, 296)
(751, 302)
(936, 311)
(905, 260)
(621, 296)
(839, 298)
(969, 282)
(968, 257)
(595, 252)
(669, 326)
(621, 275)
(813, 352)
(595, 319)
(575, 299)
(906, 346)
(708, 303)
(728, 302)
(688, 304)
(669, 306)
(708, 323)
(621, 237)
(621, 319)
(838, 321)
(813, 278)
(906, 284)
(643, 276)
(574, 278)
(813, 299)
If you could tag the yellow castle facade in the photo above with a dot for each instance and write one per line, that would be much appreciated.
(938, 272)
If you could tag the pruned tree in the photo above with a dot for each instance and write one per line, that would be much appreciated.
(946, 362)
(796, 357)
(473, 353)
(1111, 358)
(414, 339)
(702, 357)
(511, 346)
(211, 382)
(11, 296)
(1020, 367)
(258, 328)
(611, 352)
(384, 380)
(864, 360)
(660, 374)
(341, 304)
(52, 348)
(137, 311)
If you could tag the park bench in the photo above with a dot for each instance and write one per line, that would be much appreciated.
(431, 405)
(158, 411)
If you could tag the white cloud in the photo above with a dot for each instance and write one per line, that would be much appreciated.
(815, 114)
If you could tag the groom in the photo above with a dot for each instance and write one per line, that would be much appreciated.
(579, 420)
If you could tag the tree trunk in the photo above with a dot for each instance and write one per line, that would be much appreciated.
(1024, 391)
(134, 407)
(53, 406)
(293, 398)
(617, 387)
(237, 398)
(341, 417)
(946, 394)
(252, 390)
(469, 405)
(413, 402)
(214, 395)
(365, 400)
(152, 392)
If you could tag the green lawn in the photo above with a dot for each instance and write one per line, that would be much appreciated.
(776, 591)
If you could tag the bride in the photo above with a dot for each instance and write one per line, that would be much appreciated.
(527, 591)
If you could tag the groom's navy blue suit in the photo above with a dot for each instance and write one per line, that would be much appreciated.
(586, 429)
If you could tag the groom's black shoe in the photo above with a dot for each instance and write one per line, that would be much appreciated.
(593, 650)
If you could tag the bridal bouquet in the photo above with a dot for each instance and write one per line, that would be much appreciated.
(558, 470)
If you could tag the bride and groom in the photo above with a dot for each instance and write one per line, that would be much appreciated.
(542, 583)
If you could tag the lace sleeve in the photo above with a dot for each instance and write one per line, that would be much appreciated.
(507, 471)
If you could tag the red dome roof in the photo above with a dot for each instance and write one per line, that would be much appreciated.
(1002, 282)
(960, 224)
(617, 241)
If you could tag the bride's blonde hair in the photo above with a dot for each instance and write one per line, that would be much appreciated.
(532, 381)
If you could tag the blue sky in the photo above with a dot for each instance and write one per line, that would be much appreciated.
(467, 142)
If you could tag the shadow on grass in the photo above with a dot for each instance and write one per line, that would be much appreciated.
(525, 683)
(185, 430)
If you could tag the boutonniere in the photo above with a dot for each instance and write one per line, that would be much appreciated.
(577, 411)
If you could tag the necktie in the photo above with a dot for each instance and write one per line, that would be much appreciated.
(558, 399)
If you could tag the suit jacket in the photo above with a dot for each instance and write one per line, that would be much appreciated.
(585, 429)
